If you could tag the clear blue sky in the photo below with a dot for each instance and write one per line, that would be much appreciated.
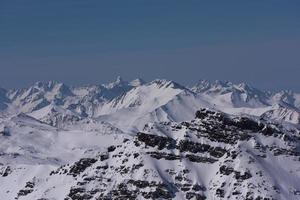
(93, 41)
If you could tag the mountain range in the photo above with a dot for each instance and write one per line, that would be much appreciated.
(160, 100)
(149, 140)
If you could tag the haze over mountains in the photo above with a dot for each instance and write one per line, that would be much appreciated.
(149, 140)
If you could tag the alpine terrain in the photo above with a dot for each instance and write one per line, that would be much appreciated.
(149, 140)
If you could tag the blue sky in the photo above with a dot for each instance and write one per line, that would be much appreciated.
(93, 41)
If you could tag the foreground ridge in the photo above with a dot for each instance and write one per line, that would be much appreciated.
(213, 156)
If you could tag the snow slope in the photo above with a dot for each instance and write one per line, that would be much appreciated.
(214, 156)
(138, 140)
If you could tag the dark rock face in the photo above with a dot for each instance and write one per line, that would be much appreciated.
(27, 190)
(7, 171)
(220, 193)
(205, 113)
(122, 191)
(104, 157)
(242, 177)
(221, 128)
(248, 124)
(226, 170)
(199, 159)
(193, 195)
(194, 147)
(79, 194)
(156, 141)
(167, 156)
(81, 165)
(111, 148)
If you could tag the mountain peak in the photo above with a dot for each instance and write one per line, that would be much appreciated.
(137, 82)
(48, 85)
(221, 86)
(119, 82)
(244, 87)
(206, 85)
(223, 83)
(119, 79)
(167, 83)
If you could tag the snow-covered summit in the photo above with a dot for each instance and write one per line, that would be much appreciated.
(119, 82)
(137, 82)
(156, 100)
(239, 95)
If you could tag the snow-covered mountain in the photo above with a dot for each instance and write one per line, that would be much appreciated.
(288, 97)
(214, 156)
(158, 100)
(283, 112)
(244, 99)
(149, 140)
(237, 95)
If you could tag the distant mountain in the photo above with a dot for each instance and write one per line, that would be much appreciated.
(283, 112)
(137, 82)
(288, 97)
(39, 95)
(158, 100)
(237, 95)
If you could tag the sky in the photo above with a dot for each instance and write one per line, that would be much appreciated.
(94, 41)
